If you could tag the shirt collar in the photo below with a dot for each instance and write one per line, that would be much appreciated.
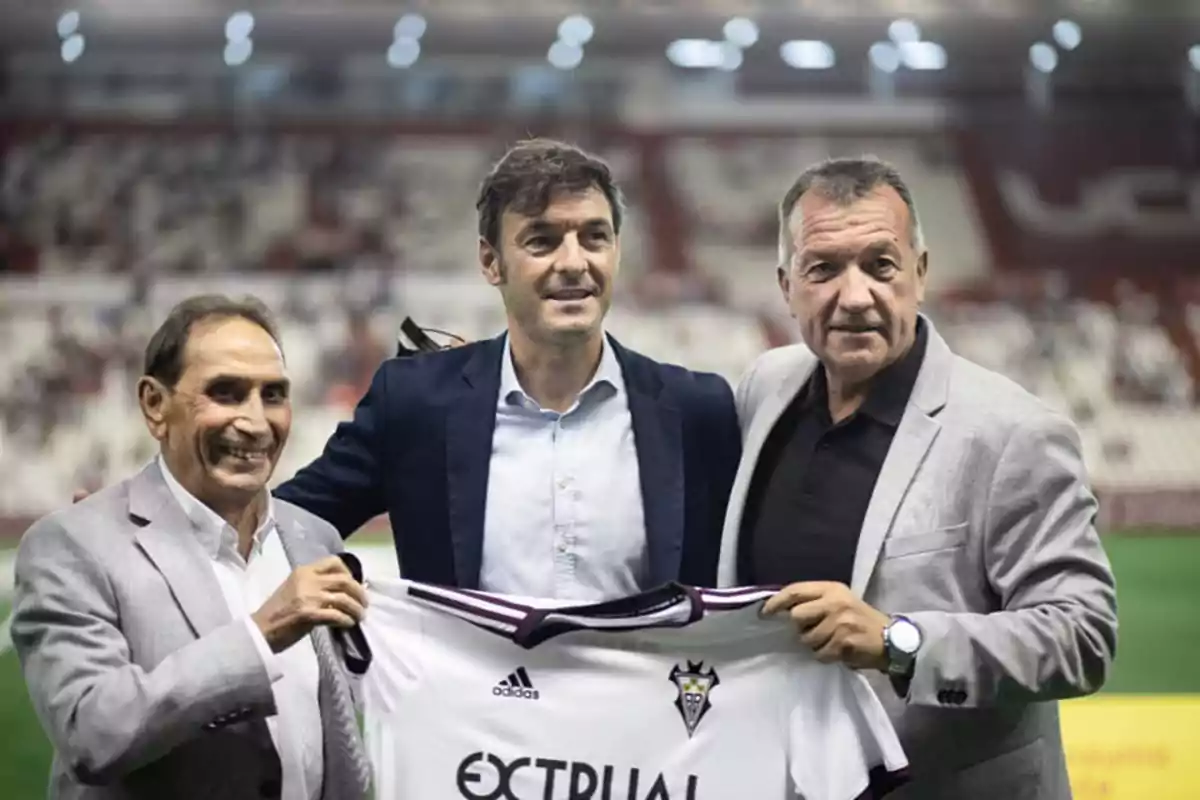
(891, 389)
(608, 380)
(211, 529)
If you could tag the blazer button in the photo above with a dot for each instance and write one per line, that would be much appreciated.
(271, 787)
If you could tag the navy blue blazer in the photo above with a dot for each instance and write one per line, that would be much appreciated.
(420, 444)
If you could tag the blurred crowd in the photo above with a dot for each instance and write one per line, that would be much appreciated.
(345, 235)
(155, 203)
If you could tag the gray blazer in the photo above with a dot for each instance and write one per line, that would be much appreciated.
(980, 528)
(145, 685)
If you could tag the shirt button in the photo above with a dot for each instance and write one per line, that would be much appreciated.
(561, 547)
(564, 483)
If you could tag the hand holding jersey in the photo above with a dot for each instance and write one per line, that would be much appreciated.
(835, 623)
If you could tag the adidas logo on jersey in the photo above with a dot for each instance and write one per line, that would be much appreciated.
(517, 684)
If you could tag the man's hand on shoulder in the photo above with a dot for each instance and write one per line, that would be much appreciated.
(321, 593)
(834, 622)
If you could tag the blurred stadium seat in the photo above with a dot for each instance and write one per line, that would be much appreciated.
(344, 233)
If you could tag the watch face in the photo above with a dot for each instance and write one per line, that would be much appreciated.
(904, 636)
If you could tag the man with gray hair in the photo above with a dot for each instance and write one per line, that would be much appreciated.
(930, 520)
(176, 630)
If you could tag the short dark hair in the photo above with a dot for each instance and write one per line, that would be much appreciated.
(164, 353)
(844, 180)
(532, 173)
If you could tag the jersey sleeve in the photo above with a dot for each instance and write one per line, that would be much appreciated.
(842, 745)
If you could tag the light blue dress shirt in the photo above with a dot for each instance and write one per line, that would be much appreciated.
(564, 514)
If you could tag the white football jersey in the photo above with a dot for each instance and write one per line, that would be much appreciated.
(674, 694)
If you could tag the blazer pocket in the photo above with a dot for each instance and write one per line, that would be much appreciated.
(911, 544)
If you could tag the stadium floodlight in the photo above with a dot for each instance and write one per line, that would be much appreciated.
(741, 32)
(239, 26)
(695, 53)
(576, 29)
(1194, 57)
(904, 30)
(807, 54)
(238, 52)
(72, 48)
(1068, 34)
(1043, 57)
(884, 57)
(923, 55)
(731, 56)
(410, 26)
(564, 55)
(68, 24)
(403, 53)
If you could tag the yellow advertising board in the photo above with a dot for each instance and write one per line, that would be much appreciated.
(1133, 747)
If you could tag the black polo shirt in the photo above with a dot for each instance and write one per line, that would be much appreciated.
(813, 481)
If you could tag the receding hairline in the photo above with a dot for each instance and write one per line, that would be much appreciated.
(211, 367)
(845, 181)
(210, 323)
(880, 192)
(166, 353)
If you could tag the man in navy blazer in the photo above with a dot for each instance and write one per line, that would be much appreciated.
(549, 461)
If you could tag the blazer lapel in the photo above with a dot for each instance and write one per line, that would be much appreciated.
(761, 423)
(345, 763)
(167, 537)
(658, 440)
(913, 439)
(470, 424)
(917, 431)
(298, 545)
(299, 549)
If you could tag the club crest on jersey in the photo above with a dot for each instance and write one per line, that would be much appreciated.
(694, 687)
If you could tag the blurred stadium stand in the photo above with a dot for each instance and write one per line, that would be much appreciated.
(106, 226)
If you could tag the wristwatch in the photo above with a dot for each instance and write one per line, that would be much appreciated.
(901, 641)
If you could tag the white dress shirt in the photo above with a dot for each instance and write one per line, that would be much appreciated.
(564, 515)
(246, 585)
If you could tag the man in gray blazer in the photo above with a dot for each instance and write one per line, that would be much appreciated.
(931, 521)
(174, 629)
